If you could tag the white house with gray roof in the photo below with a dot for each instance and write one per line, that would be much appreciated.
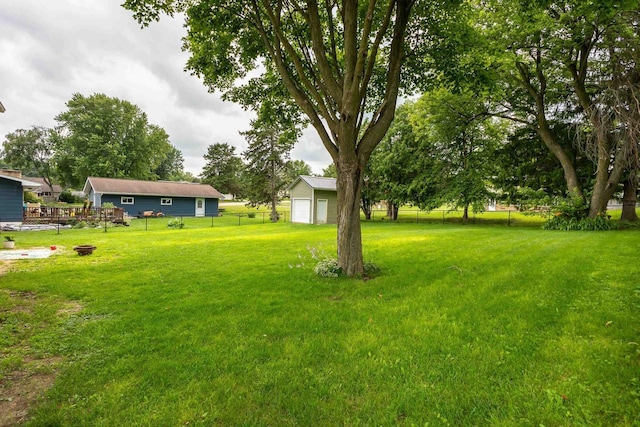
(314, 200)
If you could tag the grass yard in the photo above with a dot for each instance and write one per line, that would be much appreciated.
(220, 324)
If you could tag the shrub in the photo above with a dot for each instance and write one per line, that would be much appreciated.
(571, 214)
(251, 214)
(67, 197)
(370, 268)
(601, 222)
(108, 205)
(175, 223)
(328, 267)
(30, 197)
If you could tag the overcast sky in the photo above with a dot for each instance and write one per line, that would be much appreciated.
(52, 49)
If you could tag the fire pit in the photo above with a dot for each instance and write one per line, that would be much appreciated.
(84, 249)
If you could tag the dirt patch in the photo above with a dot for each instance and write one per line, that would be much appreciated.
(19, 390)
(26, 378)
(72, 307)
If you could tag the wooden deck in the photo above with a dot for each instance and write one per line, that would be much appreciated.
(47, 215)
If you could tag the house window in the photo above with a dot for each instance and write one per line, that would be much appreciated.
(126, 200)
(166, 201)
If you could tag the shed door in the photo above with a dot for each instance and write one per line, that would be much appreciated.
(199, 207)
(321, 211)
(301, 210)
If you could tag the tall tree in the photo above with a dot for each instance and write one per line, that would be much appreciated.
(564, 60)
(270, 139)
(339, 60)
(397, 169)
(31, 149)
(172, 167)
(223, 169)
(107, 137)
(457, 132)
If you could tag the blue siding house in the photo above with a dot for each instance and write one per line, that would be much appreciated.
(12, 197)
(169, 197)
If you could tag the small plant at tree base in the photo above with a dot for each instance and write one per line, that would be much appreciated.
(571, 214)
(370, 268)
(175, 223)
(328, 267)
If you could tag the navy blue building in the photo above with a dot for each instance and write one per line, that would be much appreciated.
(169, 197)
(12, 198)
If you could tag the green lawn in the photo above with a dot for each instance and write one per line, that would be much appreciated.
(220, 324)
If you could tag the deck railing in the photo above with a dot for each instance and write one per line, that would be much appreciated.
(46, 214)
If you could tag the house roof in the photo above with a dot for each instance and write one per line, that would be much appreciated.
(130, 187)
(316, 182)
(56, 187)
(25, 183)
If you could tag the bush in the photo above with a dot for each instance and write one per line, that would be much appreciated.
(175, 223)
(328, 267)
(571, 214)
(30, 197)
(67, 197)
(601, 222)
(251, 214)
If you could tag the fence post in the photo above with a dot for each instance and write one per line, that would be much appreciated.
(146, 222)
(509, 218)
(443, 216)
(212, 220)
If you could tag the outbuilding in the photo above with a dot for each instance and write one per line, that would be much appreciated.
(12, 189)
(314, 200)
(169, 197)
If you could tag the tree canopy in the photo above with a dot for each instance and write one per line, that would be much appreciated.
(31, 150)
(223, 169)
(103, 136)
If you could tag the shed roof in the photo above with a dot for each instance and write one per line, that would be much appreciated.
(317, 182)
(25, 183)
(130, 187)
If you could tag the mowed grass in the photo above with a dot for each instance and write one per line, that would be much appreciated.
(220, 324)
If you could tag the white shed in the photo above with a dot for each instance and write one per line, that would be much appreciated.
(314, 200)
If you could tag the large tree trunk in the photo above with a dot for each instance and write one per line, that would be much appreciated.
(629, 198)
(542, 127)
(349, 186)
(570, 175)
